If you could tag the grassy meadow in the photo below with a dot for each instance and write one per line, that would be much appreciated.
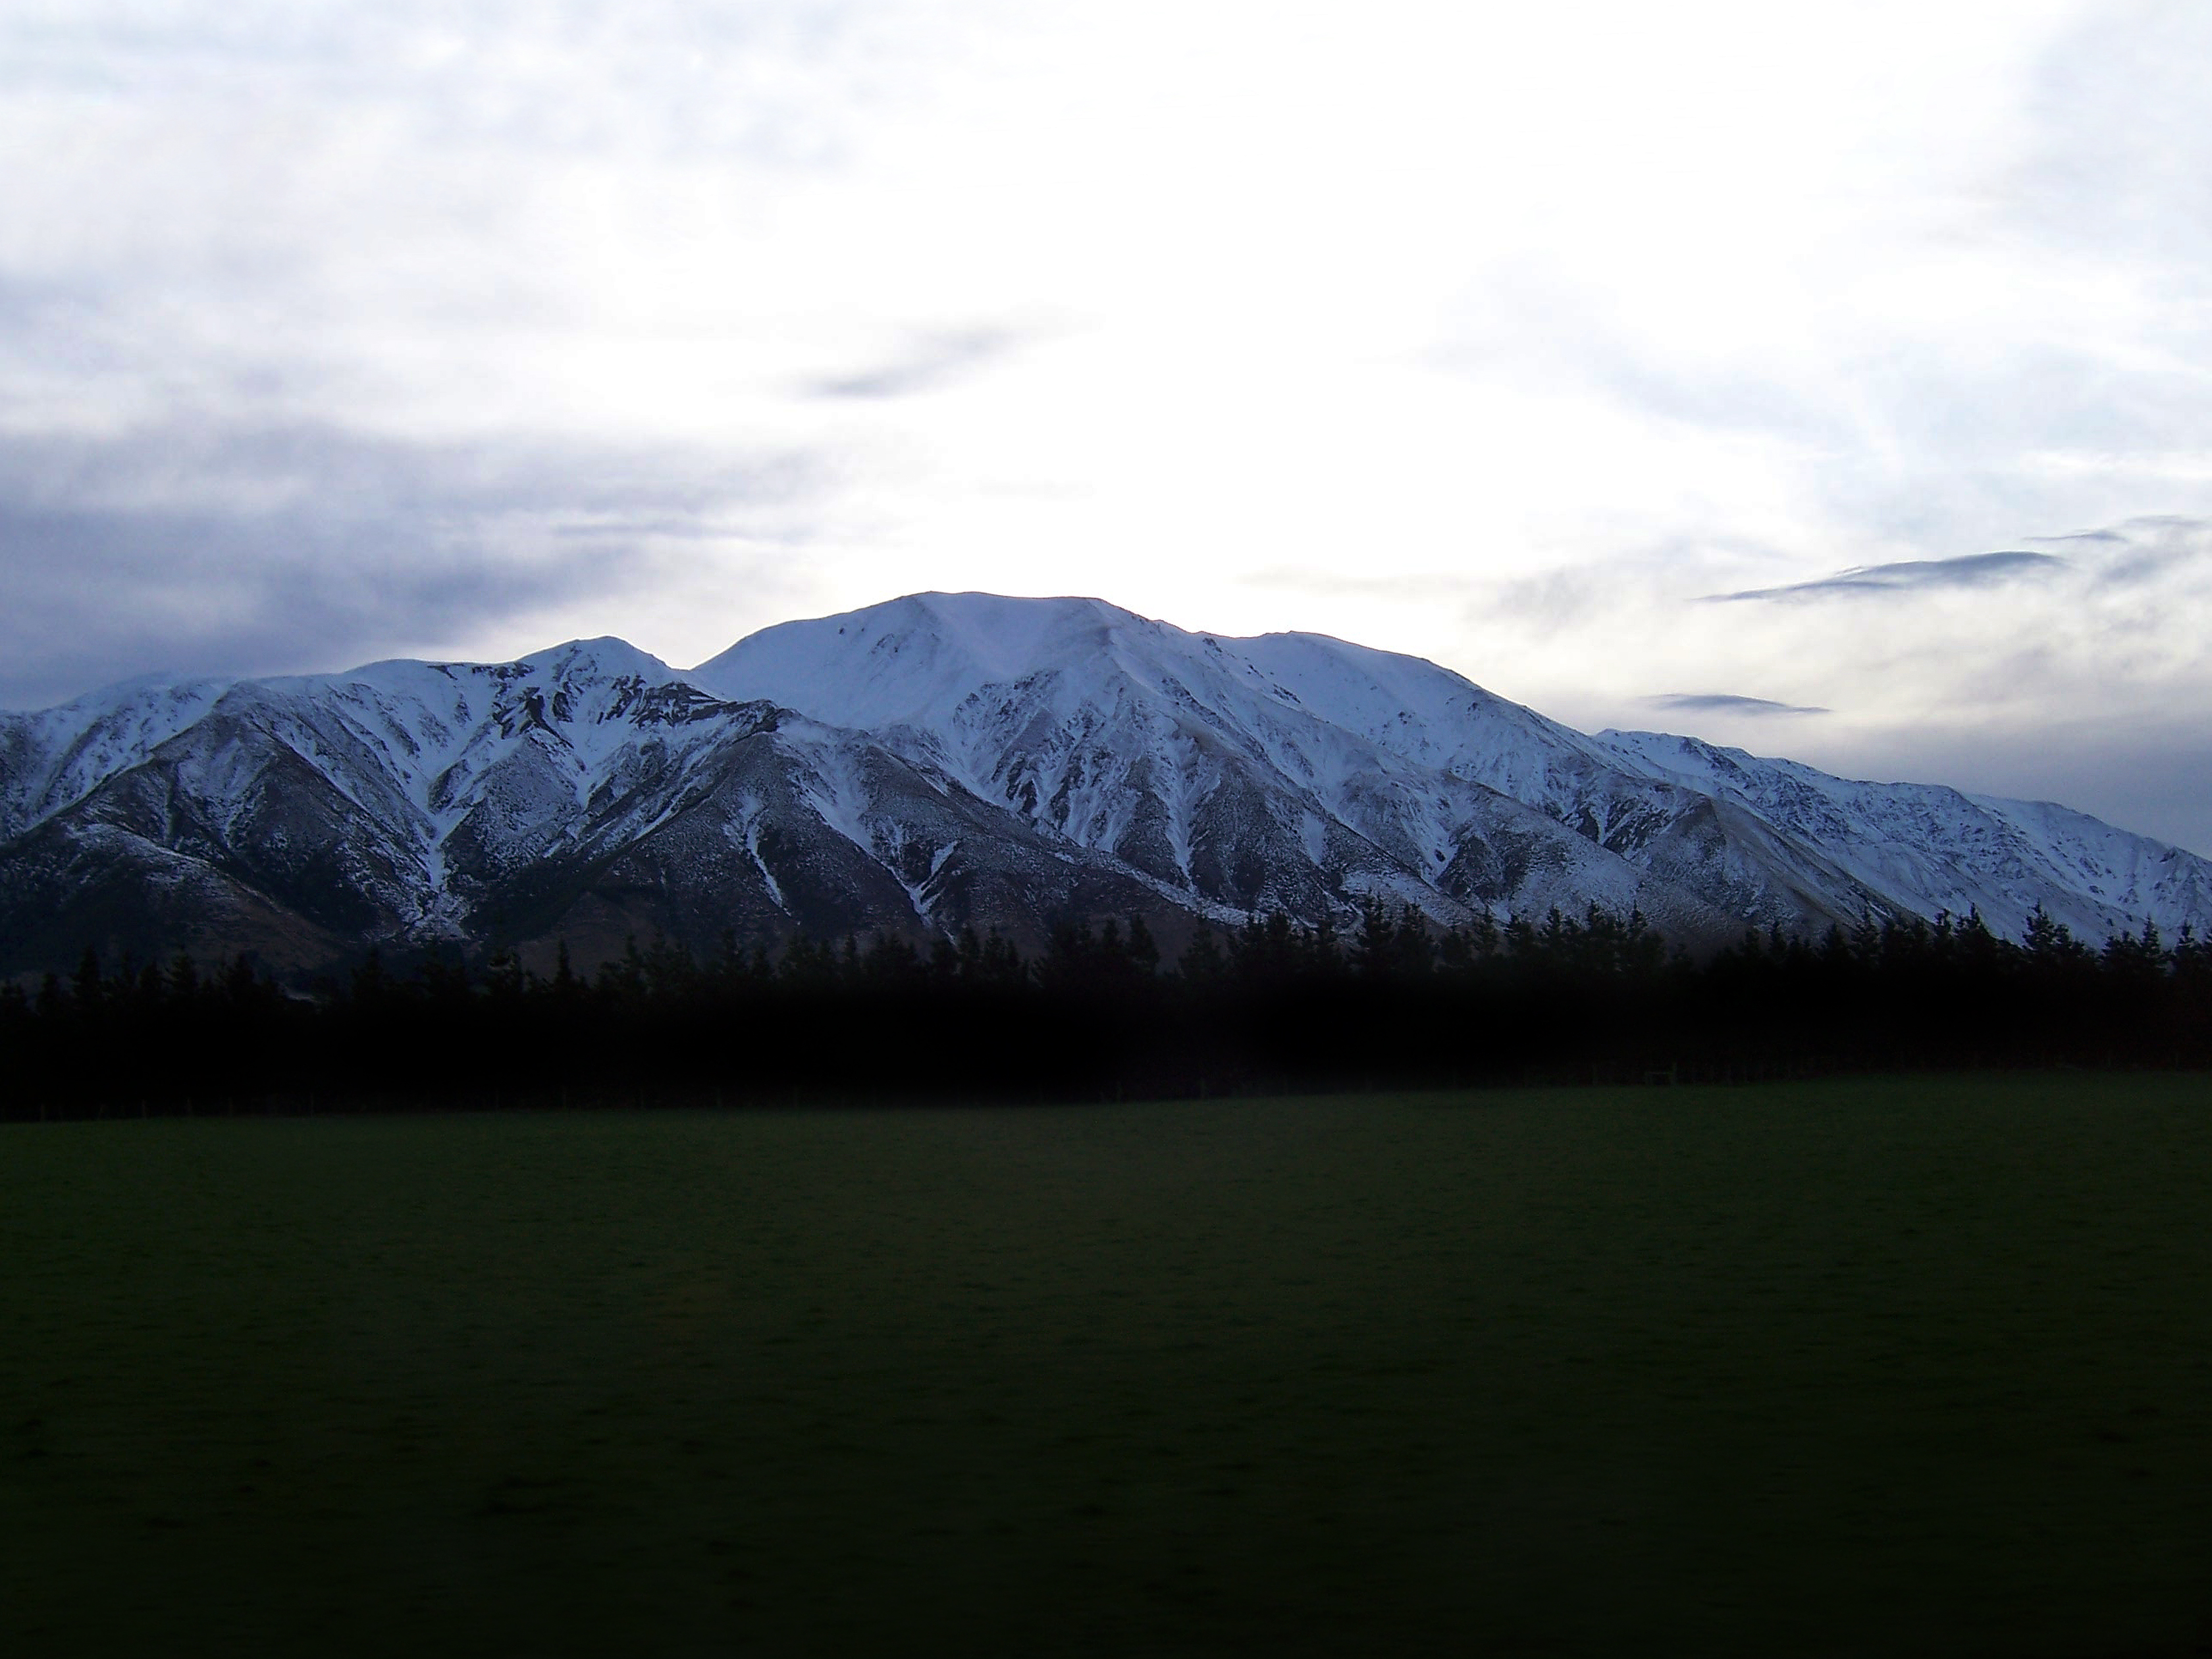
(1903, 1366)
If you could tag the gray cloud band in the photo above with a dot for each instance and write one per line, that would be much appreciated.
(1726, 702)
(275, 548)
(1913, 576)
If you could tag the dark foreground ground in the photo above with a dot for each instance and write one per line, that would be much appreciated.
(1889, 1367)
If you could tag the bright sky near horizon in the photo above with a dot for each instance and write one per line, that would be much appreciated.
(1826, 379)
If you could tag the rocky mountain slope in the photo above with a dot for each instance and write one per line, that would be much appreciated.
(948, 761)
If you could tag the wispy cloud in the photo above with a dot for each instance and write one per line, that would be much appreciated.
(2112, 537)
(1913, 575)
(930, 361)
(1727, 702)
(2143, 549)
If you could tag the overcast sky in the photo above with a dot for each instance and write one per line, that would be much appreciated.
(1833, 380)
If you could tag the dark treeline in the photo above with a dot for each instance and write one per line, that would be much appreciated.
(1269, 1006)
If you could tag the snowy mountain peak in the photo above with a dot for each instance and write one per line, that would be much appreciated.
(960, 759)
(913, 660)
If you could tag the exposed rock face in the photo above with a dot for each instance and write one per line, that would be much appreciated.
(949, 761)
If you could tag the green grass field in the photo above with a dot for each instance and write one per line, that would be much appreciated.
(1890, 1367)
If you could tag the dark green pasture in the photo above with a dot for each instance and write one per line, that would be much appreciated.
(1916, 1366)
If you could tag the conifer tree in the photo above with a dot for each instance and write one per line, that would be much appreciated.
(182, 988)
(86, 990)
(1202, 962)
(566, 986)
(1143, 951)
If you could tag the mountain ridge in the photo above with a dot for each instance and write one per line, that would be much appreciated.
(948, 761)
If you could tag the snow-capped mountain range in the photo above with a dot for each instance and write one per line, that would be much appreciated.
(950, 760)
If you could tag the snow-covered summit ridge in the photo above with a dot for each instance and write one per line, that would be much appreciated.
(926, 660)
(917, 657)
(1386, 745)
(950, 760)
(53, 756)
(1953, 850)
(424, 718)
(913, 660)
(1161, 746)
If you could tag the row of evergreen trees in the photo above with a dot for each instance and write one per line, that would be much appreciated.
(1271, 1005)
